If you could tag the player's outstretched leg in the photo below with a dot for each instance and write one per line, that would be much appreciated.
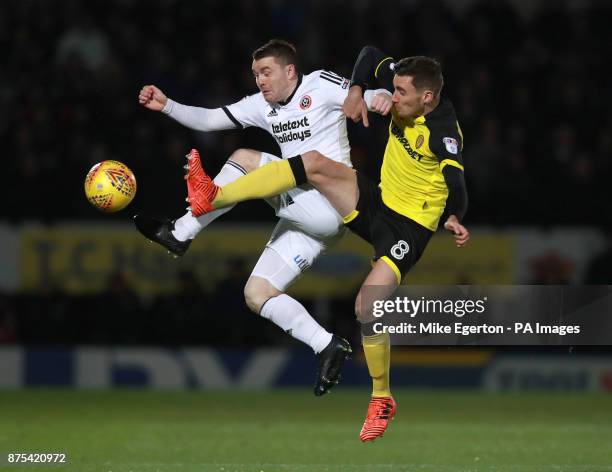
(331, 360)
(176, 235)
(269, 180)
(160, 232)
(380, 411)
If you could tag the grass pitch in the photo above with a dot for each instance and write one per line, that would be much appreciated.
(291, 430)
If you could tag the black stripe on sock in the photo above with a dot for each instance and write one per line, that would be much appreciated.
(299, 172)
(238, 167)
(231, 117)
(264, 304)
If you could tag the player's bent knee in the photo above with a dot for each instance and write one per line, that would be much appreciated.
(248, 159)
(317, 167)
(314, 163)
(358, 310)
(363, 313)
(258, 291)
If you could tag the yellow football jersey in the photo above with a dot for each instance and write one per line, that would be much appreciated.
(411, 179)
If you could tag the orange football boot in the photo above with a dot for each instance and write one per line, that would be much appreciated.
(201, 189)
(380, 411)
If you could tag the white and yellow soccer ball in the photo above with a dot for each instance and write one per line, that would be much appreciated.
(110, 186)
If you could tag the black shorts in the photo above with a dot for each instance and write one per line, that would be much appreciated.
(396, 238)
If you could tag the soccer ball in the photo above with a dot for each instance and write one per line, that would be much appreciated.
(110, 186)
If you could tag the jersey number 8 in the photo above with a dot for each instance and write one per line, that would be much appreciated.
(400, 249)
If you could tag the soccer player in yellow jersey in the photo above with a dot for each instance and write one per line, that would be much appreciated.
(421, 177)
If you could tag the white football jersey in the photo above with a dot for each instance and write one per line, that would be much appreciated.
(310, 119)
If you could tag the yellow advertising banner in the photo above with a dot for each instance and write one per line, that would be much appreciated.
(82, 259)
(489, 258)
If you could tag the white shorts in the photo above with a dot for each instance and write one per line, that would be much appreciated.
(308, 226)
(304, 206)
(294, 251)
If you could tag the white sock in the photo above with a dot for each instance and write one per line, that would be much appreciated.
(293, 318)
(188, 226)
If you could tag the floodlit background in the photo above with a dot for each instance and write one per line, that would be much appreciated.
(87, 303)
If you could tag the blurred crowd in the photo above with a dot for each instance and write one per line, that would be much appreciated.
(530, 93)
(189, 316)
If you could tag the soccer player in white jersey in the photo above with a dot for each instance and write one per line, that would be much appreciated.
(303, 113)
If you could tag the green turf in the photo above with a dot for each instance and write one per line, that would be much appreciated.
(294, 431)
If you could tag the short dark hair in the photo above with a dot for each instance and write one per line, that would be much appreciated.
(283, 51)
(426, 72)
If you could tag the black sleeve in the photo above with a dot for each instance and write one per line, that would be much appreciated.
(373, 69)
(457, 201)
(446, 142)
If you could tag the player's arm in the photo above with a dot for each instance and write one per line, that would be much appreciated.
(456, 204)
(457, 201)
(197, 118)
(334, 88)
(378, 100)
(201, 119)
(446, 143)
(372, 68)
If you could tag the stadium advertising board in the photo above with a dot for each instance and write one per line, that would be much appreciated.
(81, 258)
(197, 368)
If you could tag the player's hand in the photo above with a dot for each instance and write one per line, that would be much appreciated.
(462, 235)
(355, 107)
(382, 103)
(152, 98)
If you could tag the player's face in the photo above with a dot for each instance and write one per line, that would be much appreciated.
(408, 101)
(273, 79)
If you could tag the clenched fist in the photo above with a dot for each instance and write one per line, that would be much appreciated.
(152, 98)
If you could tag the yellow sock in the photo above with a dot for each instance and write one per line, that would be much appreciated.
(377, 349)
(269, 180)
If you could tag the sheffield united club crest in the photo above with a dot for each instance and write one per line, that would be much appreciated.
(305, 102)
